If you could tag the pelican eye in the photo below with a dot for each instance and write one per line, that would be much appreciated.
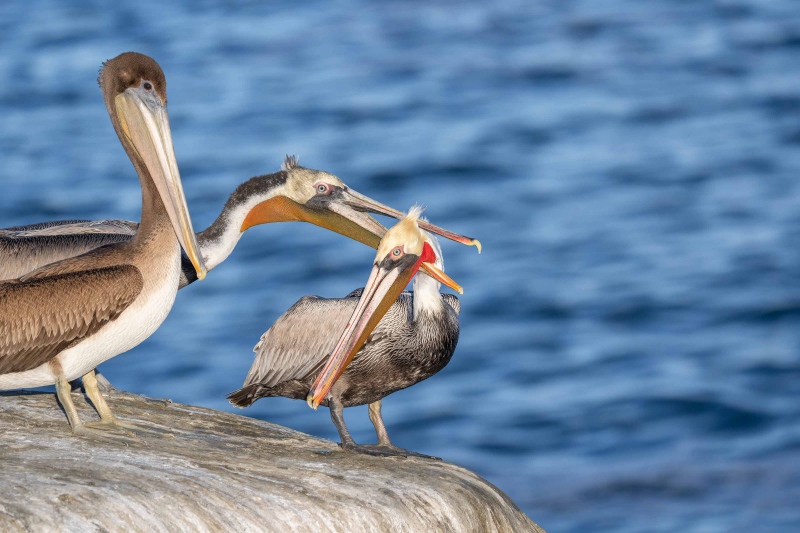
(322, 188)
(147, 86)
(397, 252)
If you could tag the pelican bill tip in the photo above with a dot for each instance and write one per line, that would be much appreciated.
(199, 265)
(310, 401)
(477, 244)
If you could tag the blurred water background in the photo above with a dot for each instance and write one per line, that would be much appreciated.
(629, 356)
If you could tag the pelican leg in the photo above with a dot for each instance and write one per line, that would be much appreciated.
(102, 382)
(107, 419)
(384, 448)
(337, 415)
(92, 389)
(63, 390)
(377, 420)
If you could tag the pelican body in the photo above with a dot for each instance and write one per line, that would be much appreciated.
(61, 320)
(414, 340)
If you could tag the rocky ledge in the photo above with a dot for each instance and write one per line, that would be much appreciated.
(222, 472)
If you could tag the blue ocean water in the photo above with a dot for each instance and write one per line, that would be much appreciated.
(630, 349)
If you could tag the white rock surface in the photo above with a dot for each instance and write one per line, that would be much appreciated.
(222, 472)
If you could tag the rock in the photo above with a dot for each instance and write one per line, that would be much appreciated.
(222, 472)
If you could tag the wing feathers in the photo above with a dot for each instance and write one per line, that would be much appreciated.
(300, 340)
(41, 317)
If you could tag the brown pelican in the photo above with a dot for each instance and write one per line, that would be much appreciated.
(414, 340)
(60, 321)
(294, 194)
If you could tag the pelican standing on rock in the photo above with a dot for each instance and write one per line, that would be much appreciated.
(376, 355)
(60, 321)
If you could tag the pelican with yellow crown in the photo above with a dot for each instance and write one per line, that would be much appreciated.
(356, 350)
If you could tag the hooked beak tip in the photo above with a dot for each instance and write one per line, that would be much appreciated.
(477, 244)
(199, 265)
(310, 401)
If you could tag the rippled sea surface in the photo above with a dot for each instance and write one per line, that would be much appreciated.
(630, 349)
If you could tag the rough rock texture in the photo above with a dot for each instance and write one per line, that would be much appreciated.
(222, 472)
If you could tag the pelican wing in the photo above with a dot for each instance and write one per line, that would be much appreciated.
(40, 317)
(72, 227)
(40, 225)
(24, 251)
(453, 301)
(300, 340)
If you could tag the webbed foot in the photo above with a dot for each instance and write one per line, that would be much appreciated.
(382, 450)
(105, 433)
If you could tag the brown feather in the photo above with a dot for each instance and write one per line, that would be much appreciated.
(40, 317)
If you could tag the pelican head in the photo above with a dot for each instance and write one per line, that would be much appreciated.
(135, 91)
(402, 251)
(323, 199)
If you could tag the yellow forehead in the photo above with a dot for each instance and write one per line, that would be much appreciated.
(300, 184)
(405, 233)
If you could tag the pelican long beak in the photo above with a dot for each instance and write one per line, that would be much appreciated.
(364, 203)
(332, 214)
(144, 120)
(345, 213)
(381, 291)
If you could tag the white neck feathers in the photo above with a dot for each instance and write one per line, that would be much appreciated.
(218, 241)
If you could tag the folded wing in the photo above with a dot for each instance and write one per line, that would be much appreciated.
(41, 317)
